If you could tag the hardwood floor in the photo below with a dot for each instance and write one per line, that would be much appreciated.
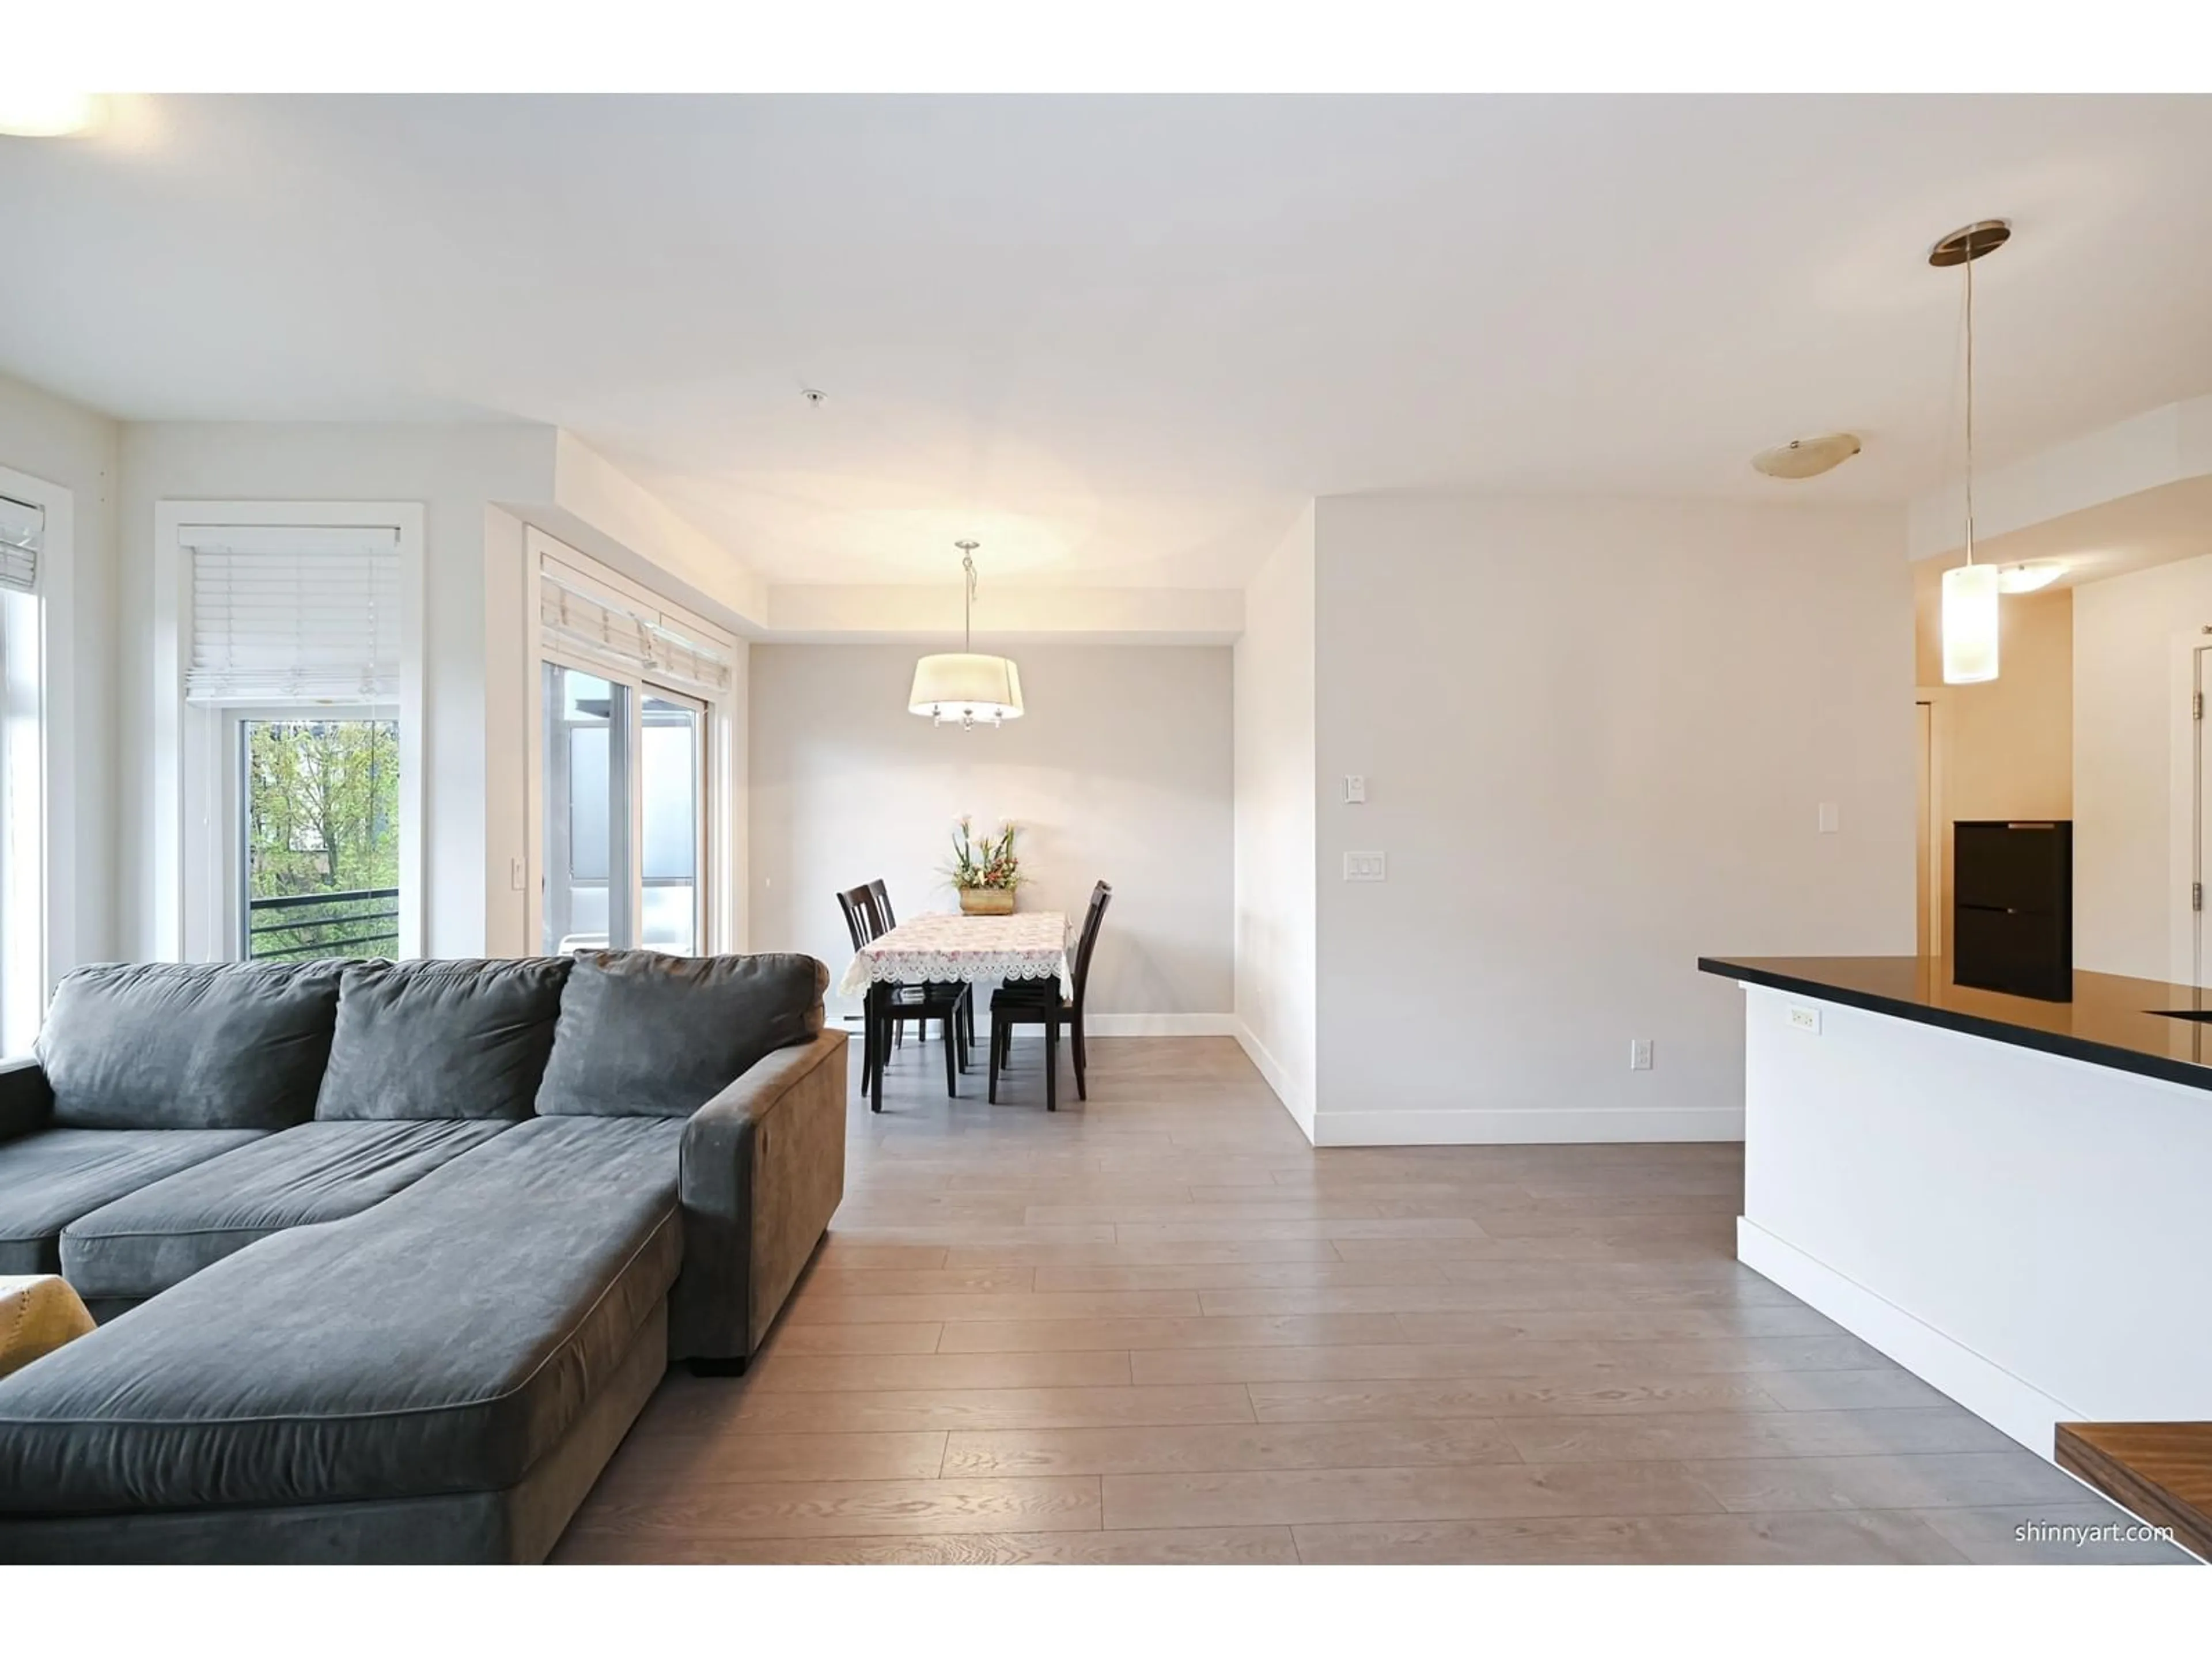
(1161, 1327)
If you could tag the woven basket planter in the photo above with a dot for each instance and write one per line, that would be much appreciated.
(986, 900)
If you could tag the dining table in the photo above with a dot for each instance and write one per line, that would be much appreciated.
(947, 948)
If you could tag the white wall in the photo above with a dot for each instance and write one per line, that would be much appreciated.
(1275, 816)
(457, 471)
(2127, 632)
(1595, 736)
(66, 444)
(1121, 770)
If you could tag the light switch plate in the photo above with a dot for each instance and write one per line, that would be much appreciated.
(1364, 866)
(1831, 818)
(516, 875)
(1355, 789)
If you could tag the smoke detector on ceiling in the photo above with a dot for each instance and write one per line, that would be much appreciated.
(1807, 457)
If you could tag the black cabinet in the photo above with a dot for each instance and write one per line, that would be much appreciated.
(2012, 908)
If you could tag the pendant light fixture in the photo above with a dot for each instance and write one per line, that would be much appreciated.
(966, 685)
(1970, 591)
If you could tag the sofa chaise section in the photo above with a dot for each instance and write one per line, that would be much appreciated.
(437, 1378)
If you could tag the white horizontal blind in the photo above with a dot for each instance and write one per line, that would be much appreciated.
(627, 634)
(294, 613)
(22, 532)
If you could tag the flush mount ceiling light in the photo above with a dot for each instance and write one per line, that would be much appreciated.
(1970, 591)
(966, 685)
(2027, 578)
(28, 114)
(1807, 457)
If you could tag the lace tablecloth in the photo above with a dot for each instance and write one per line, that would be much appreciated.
(1027, 944)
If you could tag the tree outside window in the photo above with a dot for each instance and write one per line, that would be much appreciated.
(322, 837)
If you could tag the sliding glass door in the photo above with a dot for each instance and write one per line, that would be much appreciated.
(671, 791)
(624, 831)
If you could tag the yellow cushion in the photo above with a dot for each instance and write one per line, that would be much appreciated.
(38, 1312)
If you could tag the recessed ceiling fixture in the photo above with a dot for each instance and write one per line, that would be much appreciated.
(1807, 457)
(1969, 590)
(2027, 578)
(966, 685)
(25, 113)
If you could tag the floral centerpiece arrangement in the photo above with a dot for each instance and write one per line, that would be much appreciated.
(985, 871)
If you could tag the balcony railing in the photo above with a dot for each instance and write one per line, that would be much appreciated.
(364, 922)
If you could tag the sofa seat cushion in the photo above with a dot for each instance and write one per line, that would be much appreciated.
(184, 1045)
(442, 1341)
(50, 1178)
(161, 1235)
(441, 1039)
(644, 1034)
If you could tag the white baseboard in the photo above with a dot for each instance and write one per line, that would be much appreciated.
(1113, 1026)
(1984, 1388)
(1272, 1072)
(1529, 1126)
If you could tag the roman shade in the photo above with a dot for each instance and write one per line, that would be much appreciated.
(631, 636)
(294, 613)
(22, 532)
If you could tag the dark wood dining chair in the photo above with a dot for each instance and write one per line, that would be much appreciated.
(889, 1006)
(1039, 1002)
(882, 897)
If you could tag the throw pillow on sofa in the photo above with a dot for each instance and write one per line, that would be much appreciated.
(177, 1045)
(441, 1039)
(644, 1035)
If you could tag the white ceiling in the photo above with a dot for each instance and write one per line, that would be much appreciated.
(1119, 340)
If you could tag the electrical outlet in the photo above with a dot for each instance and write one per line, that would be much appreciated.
(1804, 1019)
(1355, 789)
(1639, 1053)
(1364, 866)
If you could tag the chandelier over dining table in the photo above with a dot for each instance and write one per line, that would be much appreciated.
(966, 685)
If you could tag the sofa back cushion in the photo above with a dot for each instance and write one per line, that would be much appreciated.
(644, 1035)
(184, 1045)
(442, 1039)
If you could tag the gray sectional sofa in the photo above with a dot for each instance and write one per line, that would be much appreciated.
(389, 1256)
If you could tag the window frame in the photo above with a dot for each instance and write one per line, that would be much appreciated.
(713, 802)
(197, 885)
(45, 879)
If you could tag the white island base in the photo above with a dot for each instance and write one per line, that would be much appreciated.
(2028, 1233)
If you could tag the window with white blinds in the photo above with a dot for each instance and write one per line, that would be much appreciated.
(22, 532)
(628, 634)
(293, 614)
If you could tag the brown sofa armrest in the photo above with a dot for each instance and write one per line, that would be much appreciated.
(763, 1169)
(27, 1103)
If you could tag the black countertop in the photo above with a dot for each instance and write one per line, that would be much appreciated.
(2110, 1020)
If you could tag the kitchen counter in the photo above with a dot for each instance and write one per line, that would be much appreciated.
(2142, 1025)
(2006, 1196)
